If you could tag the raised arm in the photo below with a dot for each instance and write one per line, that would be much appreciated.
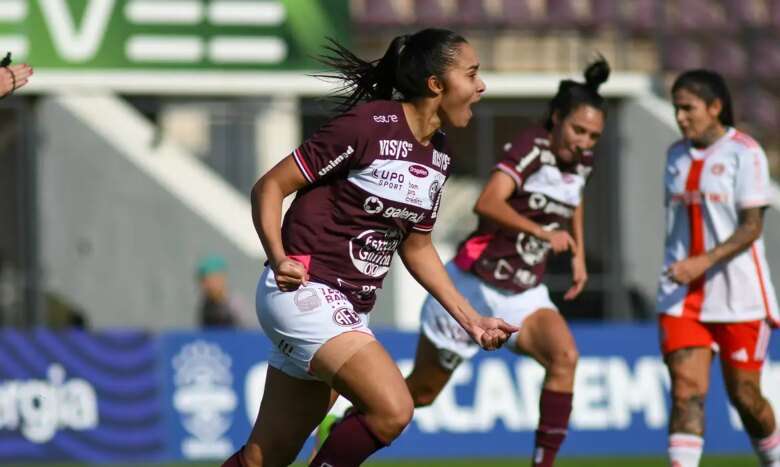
(267, 195)
(493, 205)
(423, 262)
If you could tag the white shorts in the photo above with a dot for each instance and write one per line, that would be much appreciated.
(451, 340)
(300, 322)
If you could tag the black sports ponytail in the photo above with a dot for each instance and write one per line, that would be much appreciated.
(402, 73)
(573, 94)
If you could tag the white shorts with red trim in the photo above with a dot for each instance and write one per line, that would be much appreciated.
(451, 340)
(300, 322)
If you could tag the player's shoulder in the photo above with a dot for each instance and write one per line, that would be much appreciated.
(676, 150)
(525, 140)
(743, 142)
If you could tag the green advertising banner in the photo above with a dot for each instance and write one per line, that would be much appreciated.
(239, 35)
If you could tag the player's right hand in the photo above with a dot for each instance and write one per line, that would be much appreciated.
(491, 333)
(560, 241)
(290, 274)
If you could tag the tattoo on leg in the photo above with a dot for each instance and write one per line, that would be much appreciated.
(688, 416)
(753, 408)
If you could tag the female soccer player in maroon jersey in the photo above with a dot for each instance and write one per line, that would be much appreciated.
(367, 183)
(715, 291)
(531, 203)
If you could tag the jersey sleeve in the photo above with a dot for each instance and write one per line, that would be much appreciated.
(332, 150)
(752, 180)
(518, 158)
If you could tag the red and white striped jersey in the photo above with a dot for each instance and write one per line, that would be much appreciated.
(704, 192)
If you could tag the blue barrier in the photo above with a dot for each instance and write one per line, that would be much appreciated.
(193, 395)
(78, 396)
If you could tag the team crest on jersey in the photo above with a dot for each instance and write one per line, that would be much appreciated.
(346, 317)
(434, 190)
(718, 169)
(373, 205)
(306, 300)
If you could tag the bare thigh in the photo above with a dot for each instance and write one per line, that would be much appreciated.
(290, 410)
(545, 337)
(689, 369)
(428, 377)
(370, 379)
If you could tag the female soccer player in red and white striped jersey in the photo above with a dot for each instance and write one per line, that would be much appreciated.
(715, 293)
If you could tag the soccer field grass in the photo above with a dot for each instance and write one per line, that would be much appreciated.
(707, 461)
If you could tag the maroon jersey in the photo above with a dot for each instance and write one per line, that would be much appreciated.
(372, 183)
(546, 193)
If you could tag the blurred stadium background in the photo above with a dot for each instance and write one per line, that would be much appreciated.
(130, 156)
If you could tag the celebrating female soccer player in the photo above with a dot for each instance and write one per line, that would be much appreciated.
(715, 290)
(528, 207)
(368, 183)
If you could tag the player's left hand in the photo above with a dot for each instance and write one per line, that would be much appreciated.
(688, 270)
(579, 277)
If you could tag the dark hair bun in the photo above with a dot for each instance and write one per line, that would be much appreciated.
(597, 73)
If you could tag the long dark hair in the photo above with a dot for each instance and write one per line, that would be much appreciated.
(401, 74)
(572, 94)
(708, 86)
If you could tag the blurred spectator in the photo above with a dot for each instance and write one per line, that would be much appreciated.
(62, 314)
(217, 307)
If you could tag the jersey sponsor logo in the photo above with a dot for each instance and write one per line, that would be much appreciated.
(403, 214)
(396, 148)
(522, 277)
(540, 202)
(698, 197)
(391, 118)
(306, 300)
(335, 162)
(372, 251)
(346, 317)
(440, 160)
(373, 205)
(718, 169)
(418, 171)
(388, 178)
(363, 292)
(526, 160)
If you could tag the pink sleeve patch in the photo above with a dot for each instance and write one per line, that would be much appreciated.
(470, 252)
(303, 259)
